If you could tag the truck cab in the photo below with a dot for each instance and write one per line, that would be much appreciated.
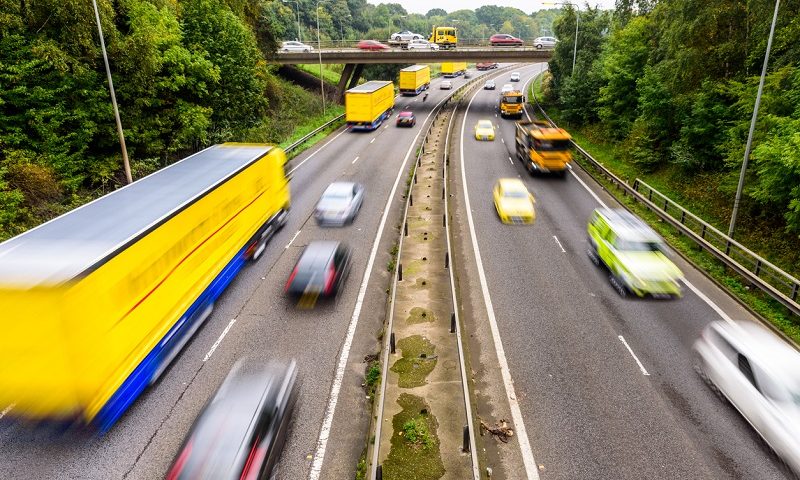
(511, 104)
(543, 148)
(445, 37)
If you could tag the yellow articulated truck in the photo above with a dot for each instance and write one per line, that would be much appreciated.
(415, 79)
(97, 302)
(453, 69)
(511, 104)
(543, 148)
(368, 105)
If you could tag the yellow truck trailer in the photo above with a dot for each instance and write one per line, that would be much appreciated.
(415, 79)
(368, 105)
(97, 302)
(511, 104)
(543, 148)
(453, 69)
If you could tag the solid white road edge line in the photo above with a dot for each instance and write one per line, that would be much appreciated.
(6, 410)
(219, 340)
(333, 399)
(354, 161)
(531, 468)
(292, 240)
(710, 302)
(559, 244)
(641, 367)
(290, 172)
(371, 141)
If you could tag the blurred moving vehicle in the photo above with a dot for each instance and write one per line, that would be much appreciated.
(405, 36)
(406, 118)
(241, 432)
(633, 253)
(373, 45)
(339, 204)
(512, 104)
(445, 85)
(504, 39)
(513, 202)
(445, 37)
(507, 87)
(320, 271)
(484, 130)
(368, 105)
(515, 77)
(415, 79)
(421, 44)
(295, 46)
(489, 85)
(486, 65)
(107, 295)
(453, 69)
(542, 148)
(467, 74)
(759, 374)
(545, 42)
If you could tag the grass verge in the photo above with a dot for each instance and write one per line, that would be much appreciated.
(415, 444)
(310, 125)
(330, 73)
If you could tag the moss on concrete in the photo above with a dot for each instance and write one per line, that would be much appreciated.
(415, 444)
(420, 315)
(416, 363)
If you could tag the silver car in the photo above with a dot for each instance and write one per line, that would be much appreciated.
(445, 85)
(294, 46)
(339, 204)
(545, 42)
(420, 44)
(759, 374)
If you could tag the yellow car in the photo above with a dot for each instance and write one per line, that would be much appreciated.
(484, 130)
(513, 202)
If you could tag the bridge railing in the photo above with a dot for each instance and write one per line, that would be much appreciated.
(462, 42)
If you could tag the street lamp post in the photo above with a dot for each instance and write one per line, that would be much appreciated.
(319, 52)
(753, 123)
(297, 3)
(120, 133)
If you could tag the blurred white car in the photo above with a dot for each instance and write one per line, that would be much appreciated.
(759, 374)
(506, 88)
(545, 42)
(489, 85)
(515, 77)
(446, 85)
(422, 44)
(294, 46)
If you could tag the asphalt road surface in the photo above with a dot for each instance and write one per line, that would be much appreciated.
(605, 385)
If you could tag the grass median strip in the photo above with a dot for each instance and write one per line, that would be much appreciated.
(415, 444)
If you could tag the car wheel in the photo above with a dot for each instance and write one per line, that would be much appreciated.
(593, 256)
(539, 46)
(305, 50)
(620, 287)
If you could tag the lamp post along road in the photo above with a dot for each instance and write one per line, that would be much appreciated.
(753, 124)
(125, 163)
(319, 51)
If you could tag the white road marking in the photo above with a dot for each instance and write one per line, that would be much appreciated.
(6, 410)
(510, 161)
(372, 140)
(589, 190)
(531, 468)
(710, 303)
(641, 367)
(292, 240)
(559, 244)
(503, 140)
(333, 399)
(354, 161)
(387, 126)
(316, 152)
(219, 340)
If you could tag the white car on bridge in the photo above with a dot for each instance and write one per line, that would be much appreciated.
(405, 36)
(420, 44)
(295, 46)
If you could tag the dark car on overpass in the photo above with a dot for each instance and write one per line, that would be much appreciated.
(241, 432)
(320, 271)
(504, 39)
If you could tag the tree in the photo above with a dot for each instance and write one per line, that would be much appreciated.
(436, 12)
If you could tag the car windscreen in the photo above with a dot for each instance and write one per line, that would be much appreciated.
(633, 246)
(512, 99)
(515, 194)
(484, 124)
(551, 145)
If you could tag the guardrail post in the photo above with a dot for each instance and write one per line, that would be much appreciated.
(465, 446)
(410, 199)
(453, 322)
(794, 292)
(636, 185)
(703, 232)
(683, 216)
(444, 219)
(758, 267)
(650, 195)
(727, 247)
(391, 345)
(405, 229)
(379, 473)
(400, 272)
(447, 260)
(666, 204)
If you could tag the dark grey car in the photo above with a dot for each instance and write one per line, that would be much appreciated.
(321, 269)
(339, 204)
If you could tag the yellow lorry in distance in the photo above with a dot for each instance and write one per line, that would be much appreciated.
(453, 69)
(543, 148)
(368, 105)
(445, 37)
(97, 302)
(415, 79)
(511, 104)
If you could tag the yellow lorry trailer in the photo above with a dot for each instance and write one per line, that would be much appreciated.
(98, 301)
(453, 69)
(543, 148)
(415, 79)
(511, 104)
(368, 105)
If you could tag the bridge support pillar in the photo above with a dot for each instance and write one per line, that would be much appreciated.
(350, 75)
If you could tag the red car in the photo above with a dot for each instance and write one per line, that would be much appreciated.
(499, 39)
(406, 118)
(372, 45)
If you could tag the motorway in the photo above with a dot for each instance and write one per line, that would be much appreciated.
(254, 320)
(605, 386)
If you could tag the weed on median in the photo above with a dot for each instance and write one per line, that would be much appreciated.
(415, 444)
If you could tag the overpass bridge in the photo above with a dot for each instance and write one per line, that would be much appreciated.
(354, 59)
